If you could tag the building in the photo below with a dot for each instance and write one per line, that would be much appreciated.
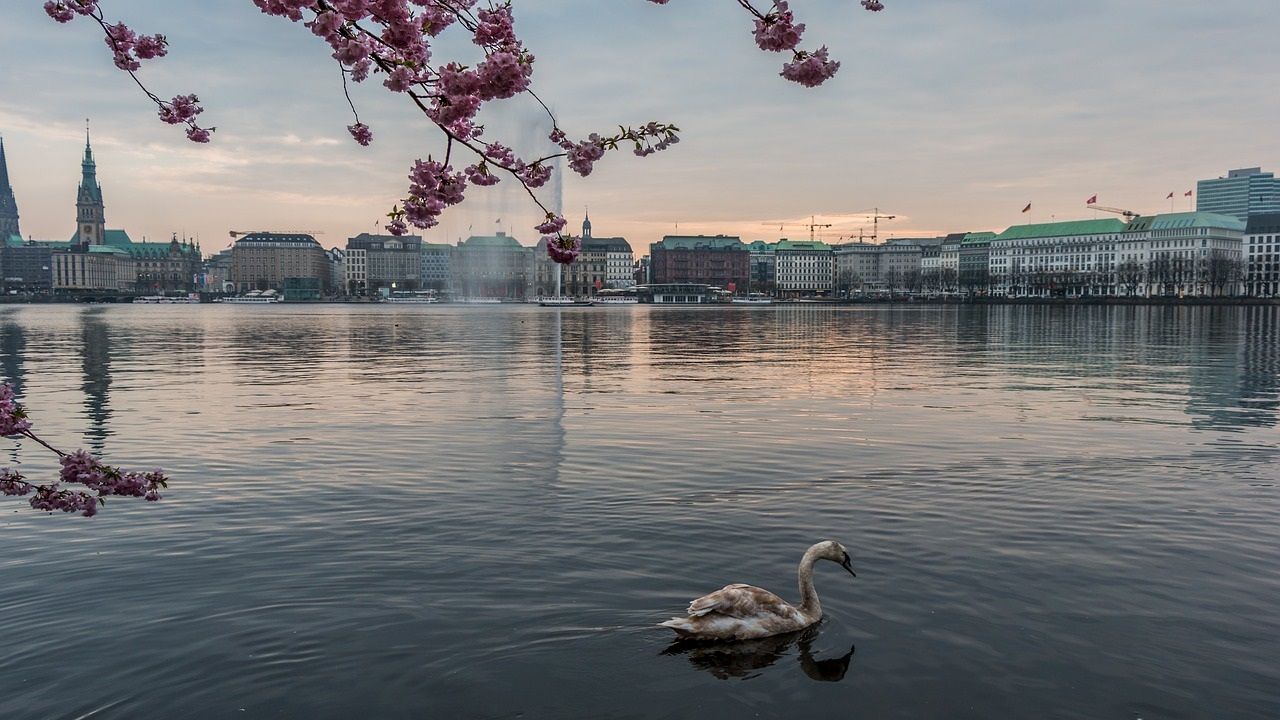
(337, 258)
(1262, 255)
(436, 261)
(803, 268)
(264, 260)
(974, 273)
(720, 261)
(491, 266)
(1174, 254)
(9, 232)
(173, 266)
(1243, 192)
(89, 262)
(893, 266)
(378, 263)
(602, 263)
(762, 268)
(28, 267)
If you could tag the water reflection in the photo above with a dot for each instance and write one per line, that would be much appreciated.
(746, 658)
(95, 354)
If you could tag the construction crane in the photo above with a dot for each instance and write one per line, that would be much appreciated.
(1128, 214)
(875, 223)
(238, 233)
(812, 224)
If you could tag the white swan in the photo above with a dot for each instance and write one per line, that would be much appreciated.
(745, 612)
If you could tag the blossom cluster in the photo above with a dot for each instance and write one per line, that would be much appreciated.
(128, 49)
(563, 249)
(395, 38)
(78, 468)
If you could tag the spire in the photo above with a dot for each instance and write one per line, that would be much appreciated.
(586, 224)
(91, 224)
(4, 168)
(89, 190)
(8, 205)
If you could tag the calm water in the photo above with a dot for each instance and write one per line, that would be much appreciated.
(471, 512)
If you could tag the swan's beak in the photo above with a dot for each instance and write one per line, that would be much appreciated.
(847, 564)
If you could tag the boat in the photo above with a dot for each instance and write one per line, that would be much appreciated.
(753, 299)
(478, 300)
(563, 301)
(253, 297)
(616, 300)
(190, 299)
(413, 297)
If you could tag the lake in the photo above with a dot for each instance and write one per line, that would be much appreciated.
(481, 512)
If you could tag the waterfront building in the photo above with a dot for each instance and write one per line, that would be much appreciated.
(949, 254)
(383, 262)
(643, 271)
(436, 258)
(721, 261)
(27, 267)
(89, 262)
(1243, 192)
(263, 260)
(892, 266)
(9, 232)
(492, 266)
(1059, 258)
(602, 263)
(1174, 254)
(804, 268)
(217, 272)
(762, 273)
(974, 272)
(1262, 255)
(337, 258)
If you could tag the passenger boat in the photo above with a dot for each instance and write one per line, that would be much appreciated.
(190, 299)
(753, 299)
(253, 298)
(413, 297)
(563, 301)
(616, 300)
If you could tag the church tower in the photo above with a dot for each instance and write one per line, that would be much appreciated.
(586, 225)
(8, 205)
(91, 223)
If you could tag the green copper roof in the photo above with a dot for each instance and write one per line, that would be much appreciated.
(812, 246)
(978, 238)
(1167, 221)
(490, 242)
(701, 242)
(1063, 229)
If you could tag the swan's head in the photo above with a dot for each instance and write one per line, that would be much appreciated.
(835, 552)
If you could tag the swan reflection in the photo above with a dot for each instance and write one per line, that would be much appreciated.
(744, 658)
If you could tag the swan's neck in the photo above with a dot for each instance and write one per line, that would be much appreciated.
(809, 604)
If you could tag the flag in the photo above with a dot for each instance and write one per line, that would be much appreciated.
(498, 221)
(1091, 200)
(1170, 195)
(1187, 194)
(1027, 208)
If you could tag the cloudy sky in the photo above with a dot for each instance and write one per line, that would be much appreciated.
(950, 115)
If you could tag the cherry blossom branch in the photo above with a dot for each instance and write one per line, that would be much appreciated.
(79, 467)
(394, 38)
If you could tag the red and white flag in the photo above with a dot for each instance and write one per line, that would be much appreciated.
(1091, 200)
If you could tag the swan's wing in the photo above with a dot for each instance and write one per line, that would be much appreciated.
(740, 601)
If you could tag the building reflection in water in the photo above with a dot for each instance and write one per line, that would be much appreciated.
(95, 354)
(13, 343)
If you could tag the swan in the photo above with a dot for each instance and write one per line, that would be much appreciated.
(745, 612)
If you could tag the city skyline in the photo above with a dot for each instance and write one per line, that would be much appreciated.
(969, 114)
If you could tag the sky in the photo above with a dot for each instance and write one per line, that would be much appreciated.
(948, 115)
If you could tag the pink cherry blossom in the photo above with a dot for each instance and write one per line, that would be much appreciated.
(810, 69)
